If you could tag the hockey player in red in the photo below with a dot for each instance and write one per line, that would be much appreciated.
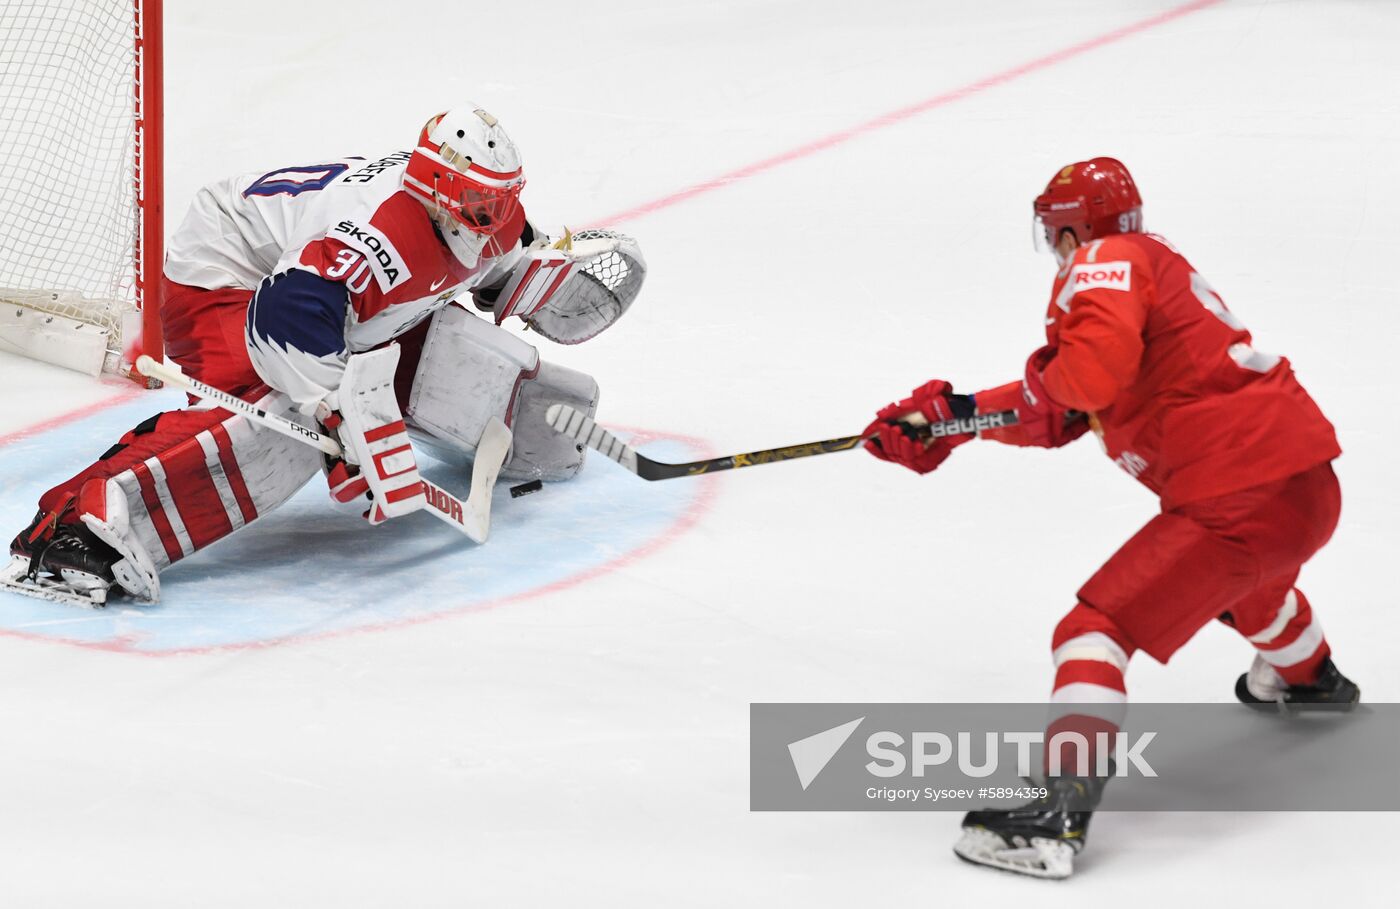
(1142, 352)
(275, 285)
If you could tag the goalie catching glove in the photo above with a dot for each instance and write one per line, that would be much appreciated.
(378, 467)
(573, 289)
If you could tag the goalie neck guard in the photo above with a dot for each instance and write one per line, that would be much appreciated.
(467, 171)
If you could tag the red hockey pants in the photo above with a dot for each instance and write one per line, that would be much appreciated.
(1235, 557)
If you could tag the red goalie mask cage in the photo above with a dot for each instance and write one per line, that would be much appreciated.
(81, 229)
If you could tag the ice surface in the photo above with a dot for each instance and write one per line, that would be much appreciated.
(310, 572)
(587, 745)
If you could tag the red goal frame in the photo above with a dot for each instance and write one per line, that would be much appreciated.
(148, 172)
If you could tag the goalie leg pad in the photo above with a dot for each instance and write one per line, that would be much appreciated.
(467, 375)
(180, 482)
(202, 487)
(541, 453)
(471, 372)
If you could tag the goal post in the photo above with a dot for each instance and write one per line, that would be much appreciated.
(81, 181)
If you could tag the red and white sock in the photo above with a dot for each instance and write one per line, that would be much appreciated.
(1090, 696)
(1293, 643)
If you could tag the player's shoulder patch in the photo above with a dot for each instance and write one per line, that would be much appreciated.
(1106, 264)
(387, 264)
(1115, 275)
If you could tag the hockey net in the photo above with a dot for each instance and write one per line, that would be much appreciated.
(79, 208)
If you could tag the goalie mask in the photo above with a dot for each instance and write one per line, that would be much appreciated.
(466, 170)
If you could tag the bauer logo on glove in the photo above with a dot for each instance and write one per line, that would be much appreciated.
(899, 432)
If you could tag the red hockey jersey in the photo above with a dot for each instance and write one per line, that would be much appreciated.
(1172, 385)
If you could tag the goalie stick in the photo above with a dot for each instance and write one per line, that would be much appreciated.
(472, 517)
(570, 422)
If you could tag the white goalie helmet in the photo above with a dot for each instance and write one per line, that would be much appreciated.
(467, 171)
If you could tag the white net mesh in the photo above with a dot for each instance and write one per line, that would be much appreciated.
(68, 216)
(620, 274)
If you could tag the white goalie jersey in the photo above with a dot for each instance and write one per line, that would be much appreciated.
(340, 260)
(242, 229)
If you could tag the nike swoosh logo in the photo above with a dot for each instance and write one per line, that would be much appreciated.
(437, 285)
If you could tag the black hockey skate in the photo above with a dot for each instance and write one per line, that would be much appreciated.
(1040, 839)
(62, 562)
(1262, 689)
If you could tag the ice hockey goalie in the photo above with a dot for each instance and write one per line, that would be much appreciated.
(275, 282)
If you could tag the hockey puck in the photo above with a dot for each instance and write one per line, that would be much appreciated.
(524, 489)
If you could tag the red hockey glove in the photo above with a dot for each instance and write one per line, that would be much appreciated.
(1042, 420)
(894, 432)
(348, 487)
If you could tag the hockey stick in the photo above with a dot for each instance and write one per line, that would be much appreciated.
(569, 422)
(472, 517)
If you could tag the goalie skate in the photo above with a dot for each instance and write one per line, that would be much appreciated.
(15, 578)
(73, 566)
(80, 564)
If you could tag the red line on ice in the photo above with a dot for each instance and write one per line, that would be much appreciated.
(86, 410)
(708, 489)
(898, 116)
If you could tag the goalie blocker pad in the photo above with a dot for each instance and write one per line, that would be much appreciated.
(375, 435)
(471, 371)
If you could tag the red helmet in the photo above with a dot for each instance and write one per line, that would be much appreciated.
(1093, 198)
